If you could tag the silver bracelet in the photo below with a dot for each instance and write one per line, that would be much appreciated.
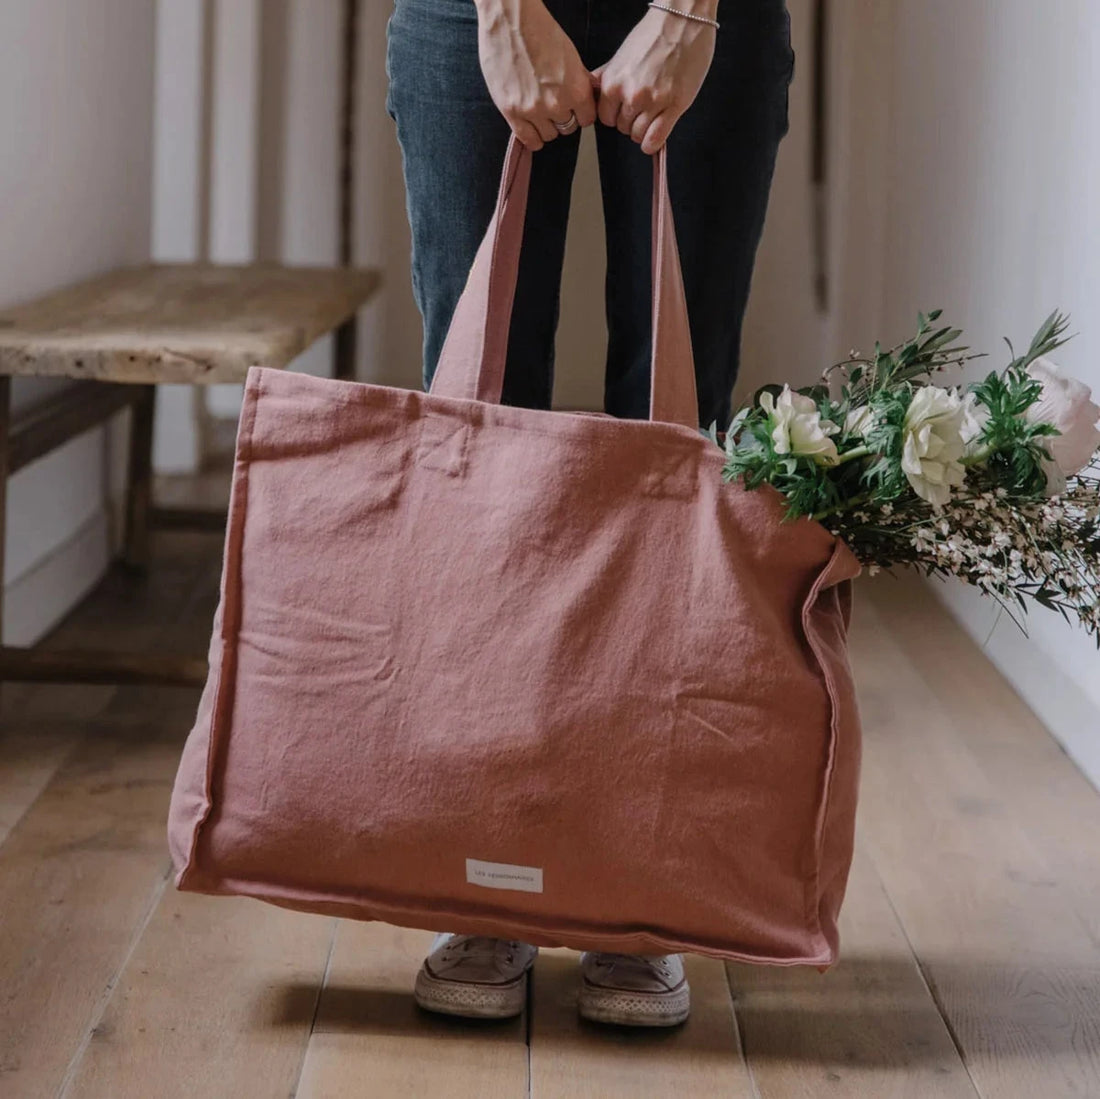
(686, 15)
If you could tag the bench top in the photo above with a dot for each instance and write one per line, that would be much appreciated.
(192, 324)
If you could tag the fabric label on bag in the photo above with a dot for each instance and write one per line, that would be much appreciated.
(501, 875)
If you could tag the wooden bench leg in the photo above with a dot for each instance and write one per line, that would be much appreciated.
(345, 351)
(5, 431)
(139, 488)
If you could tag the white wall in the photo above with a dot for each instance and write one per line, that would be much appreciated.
(308, 197)
(76, 82)
(783, 328)
(787, 337)
(993, 184)
(964, 173)
(246, 160)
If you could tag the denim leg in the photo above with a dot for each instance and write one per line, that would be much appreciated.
(721, 158)
(453, 140)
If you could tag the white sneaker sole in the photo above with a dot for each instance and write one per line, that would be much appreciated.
(622, 1008)
(469, 1000)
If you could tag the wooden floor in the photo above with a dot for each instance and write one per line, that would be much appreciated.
(971, 932)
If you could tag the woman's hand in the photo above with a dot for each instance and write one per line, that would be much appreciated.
(534, 73)
(656, 73)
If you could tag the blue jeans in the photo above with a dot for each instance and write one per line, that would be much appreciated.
(721, 158)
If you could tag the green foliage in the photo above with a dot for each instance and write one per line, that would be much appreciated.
(931, 350)
(1010, 445)
(1051, 336)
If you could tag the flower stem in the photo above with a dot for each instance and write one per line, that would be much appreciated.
(978, 456)
(851, 455)
(853, 502)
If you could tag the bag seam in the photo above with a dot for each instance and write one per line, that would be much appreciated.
(813, 885)
(231, 598)
(415, 915)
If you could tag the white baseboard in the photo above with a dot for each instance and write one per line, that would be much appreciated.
(38, 599)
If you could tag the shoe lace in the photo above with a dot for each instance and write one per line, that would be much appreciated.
(657, 962)
(480, 948)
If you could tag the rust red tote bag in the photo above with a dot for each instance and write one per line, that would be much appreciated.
(531, 674)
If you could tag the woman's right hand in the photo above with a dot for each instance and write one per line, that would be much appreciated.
(534, 73)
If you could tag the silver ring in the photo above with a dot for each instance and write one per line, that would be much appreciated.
(564, 128)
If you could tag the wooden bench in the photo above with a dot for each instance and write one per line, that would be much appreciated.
(119, 336)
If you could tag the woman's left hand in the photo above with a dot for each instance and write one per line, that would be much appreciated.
(656, 73)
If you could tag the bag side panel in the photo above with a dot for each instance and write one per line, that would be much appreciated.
(826, 617)
(192, 792)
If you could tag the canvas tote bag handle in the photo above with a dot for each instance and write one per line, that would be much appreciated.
(471, 364)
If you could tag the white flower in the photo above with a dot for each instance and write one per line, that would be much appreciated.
(859, 421)
(923, 538)
(933, 443)
(797, 427)
(1067, 404)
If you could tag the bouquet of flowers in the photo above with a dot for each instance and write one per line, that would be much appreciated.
(997, 483)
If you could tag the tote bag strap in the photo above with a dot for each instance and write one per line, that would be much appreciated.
(471, 364)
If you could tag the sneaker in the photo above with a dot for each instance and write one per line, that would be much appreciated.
(475, 976)
(634, 989)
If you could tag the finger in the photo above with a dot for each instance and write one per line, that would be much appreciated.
(527, 134)
(610, 102)
(657, 134)
(585, 112)
(585, 108)
(641, 125)
(568, 127)
(546, 129)
(596, 79)
(625, 122)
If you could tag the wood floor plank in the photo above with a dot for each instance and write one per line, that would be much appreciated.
(133, 611)
(572, 1059)
(1027, 768)
(82, 870)
(1014, 971)
(42, 723)
(370, 1038)
(216, 1000)
(29, 757)
(78, 875)
(170, 607)
(866, 1029)
(46, 721)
